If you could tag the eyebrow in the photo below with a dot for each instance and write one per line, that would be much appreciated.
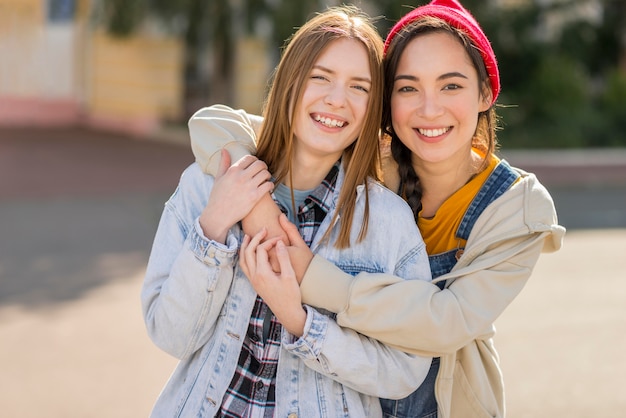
(328, 70)
(441, 77)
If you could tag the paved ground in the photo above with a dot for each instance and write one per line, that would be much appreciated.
(78, 211)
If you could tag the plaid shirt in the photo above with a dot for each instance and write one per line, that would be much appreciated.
(251, 393)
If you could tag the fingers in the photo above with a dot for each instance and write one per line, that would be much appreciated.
(292, 232)
(248, 252)
(242, 258)
(255, 170)
(254, 256)
(251, 164)
(284, 261)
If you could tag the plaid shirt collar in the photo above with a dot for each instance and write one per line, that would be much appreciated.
(316, 206)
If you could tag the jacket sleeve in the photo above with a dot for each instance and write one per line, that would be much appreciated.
(360, 362)
(214, 128)
(425, 319)
(357, 361)
(187, 278)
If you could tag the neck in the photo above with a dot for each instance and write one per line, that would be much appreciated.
(442, 179)
(308, 173)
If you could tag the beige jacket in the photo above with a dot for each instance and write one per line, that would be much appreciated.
(455, 323)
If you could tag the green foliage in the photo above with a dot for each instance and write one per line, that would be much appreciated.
(613, 107)
(124, 16)
(287, 16)
(563, 90)
(556, 93)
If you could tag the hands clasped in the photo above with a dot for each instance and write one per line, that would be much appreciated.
(280, 290)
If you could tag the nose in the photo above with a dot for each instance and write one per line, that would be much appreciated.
(430, 106)
(336, 96)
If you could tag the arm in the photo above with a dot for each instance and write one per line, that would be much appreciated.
(219, 127)
(188, 276)
(431, 321)
(192, 260)
(484, 282)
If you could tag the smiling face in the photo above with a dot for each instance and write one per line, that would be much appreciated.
(436, 99)
(330, 115)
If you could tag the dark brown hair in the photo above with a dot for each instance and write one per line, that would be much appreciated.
(484, 139)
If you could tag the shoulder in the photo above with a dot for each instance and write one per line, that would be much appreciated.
(534, 196)
(388, 205)
(192, 191)
(525, 208)
(382, 195)
(193, 176)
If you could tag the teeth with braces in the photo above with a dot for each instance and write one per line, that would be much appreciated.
(332, 123)
(433, 132)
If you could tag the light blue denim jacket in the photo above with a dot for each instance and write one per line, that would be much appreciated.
(197, 304)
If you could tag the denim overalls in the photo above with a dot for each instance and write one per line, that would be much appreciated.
(422, 403)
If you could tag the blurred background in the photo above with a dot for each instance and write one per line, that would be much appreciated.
(141, 66)
(94, 100)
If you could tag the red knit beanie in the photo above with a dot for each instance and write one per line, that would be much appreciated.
(457, 16)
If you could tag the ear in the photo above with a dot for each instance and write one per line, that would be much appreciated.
(485, 98)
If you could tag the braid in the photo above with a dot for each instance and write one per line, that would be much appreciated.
(410, 187)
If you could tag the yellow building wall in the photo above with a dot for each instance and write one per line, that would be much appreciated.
(137, 79)
(21, 23)
(252, 70)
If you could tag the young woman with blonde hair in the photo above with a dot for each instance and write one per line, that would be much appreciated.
(243, 352)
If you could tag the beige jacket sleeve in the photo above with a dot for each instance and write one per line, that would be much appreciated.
(216, 127)
(417, 316)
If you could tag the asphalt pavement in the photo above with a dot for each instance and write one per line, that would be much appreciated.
(78, 212)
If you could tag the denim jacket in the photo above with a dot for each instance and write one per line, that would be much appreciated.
(197, 304)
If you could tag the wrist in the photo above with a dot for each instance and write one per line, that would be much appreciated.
(212, 230)
(297, 323)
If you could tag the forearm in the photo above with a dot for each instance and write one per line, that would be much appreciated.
(424, 319)
(264, 215)
(355, 360)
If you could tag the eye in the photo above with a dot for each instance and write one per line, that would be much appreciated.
(452, 87)
(361, 88)
(406, 89)
(318, 77)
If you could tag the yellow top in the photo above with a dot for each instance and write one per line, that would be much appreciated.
(439, 232)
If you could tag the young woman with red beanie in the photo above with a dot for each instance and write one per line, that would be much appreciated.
(484, 222)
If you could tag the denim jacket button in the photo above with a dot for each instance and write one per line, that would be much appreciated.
(292, 415)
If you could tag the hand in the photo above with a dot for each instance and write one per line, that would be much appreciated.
(236, 190)
(280, 291)
(300, 254)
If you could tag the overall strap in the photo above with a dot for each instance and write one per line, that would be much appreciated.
(498, 182)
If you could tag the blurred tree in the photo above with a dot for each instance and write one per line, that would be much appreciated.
(209, 30)
(554, 77)
(557, 82)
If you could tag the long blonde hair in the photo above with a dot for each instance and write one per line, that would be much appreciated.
(276, 138)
